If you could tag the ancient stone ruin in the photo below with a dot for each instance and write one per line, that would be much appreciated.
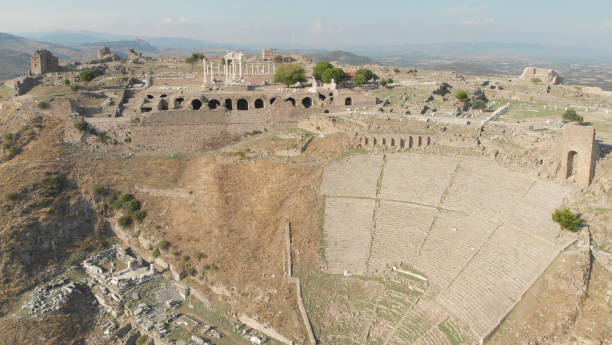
(546, 76)
(43, 61)
(579, 153)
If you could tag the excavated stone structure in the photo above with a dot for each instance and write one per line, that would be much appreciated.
(43, 61)
(547, 76)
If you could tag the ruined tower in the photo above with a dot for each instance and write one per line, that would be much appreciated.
(42, 61)
(579, 153)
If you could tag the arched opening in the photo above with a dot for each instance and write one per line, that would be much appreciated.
(375, 141)
(228, 104)
(392, 142)
(290, 99)
(196, 104)
(242, 104)
(420, 141)
(322, 97)
(331, 99)
(402, 143)
(178, 102)
(259, 103)
(428, 141)
(384, 142)
(366, 141)
(150, 97)
(410, 143)
(571, 160)
(163, 96)
(272, 100)
(348, 101)
(326, 111)
(307, 102)
(163, 105)
(213, 104)
(145, 109)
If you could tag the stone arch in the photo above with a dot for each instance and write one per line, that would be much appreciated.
(348, 101)
(150, 97)
(213, 104)
(242, 104)
(259, 103)
(228, 104)
(410, 142)
(572, 160)
(272, 100)
(163, 96)
(292, 100)
(322, 97)
(146, 109)
(384, 141)
(307, 102)
(366, 141)
(374, 141)
(428, 141)
(162, 105)
(196, 104)
(178, 103)
(392, 142)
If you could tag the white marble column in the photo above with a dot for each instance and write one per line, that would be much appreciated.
(204, 66)
(240, 62)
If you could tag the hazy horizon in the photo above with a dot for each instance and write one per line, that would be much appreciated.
(340, 24)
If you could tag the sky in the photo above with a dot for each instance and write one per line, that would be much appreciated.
(325, 23)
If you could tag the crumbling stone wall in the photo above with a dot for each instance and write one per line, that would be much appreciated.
(24, 84)
(547, 76)
(579, 153)
(42, 61)
(395, 141)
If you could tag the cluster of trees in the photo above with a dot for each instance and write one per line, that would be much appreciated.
(362, 76)
(385, 82)
(289, 74)
(325, 71)
(194, 58)
(567, 219)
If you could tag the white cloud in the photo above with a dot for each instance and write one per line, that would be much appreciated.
(317, 26)
(461, 10)
(174, 21)
(606, 27)
(478, 21)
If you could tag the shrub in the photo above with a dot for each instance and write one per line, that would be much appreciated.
(191, 271)
(362, 76)
(478, 104)
(571, 115)
(320, 68)
(390, 81)
(142, 339)
(132, 205)
(156, 253)
(81, 125)
(185, 257)
(127, 140)
(199, 255)
(278, 59)
(103, 137)
(66, 82)
(289, 74)
(383, 82)
(42, 105)
(139, 215)
(13, 150)
(536, 80)
(125, 198)
(194, 58)
(42, 202)
(86, 75)
(567, 219)
(163, 245)
(12, 196)
(51, 186)
(74, 87)
(98, 189)
(330, 74)
(125, 221)
(462, 96)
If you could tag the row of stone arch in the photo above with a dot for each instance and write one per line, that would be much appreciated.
(228, 104)
(395, 142)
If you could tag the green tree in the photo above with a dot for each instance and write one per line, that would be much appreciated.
(362, 76)
(194, 58)
(571, 115)
(278, 59)
(289, 74)
(478, 104)
(320, 68)
(86, 75)
(125, 221)
(462, 96)
(383, 82)
(335, 73)
(567, 219)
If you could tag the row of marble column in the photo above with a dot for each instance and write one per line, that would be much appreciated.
(232, 70)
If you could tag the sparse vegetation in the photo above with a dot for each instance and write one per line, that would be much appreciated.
(567, 219)
(536, 80)
(66, 82)
(139, 215)
(132, 205)
(278, 59)
(478, 104)
(12, 196)
(289, 74)
(142, 339)
(81, 125)
(195, 58)
(163, 245)
(74, 87)
(42, 105)
(52, 186)
(156, 253)
(571, 115)
(462, 96)
(86, 76)
(362, 76)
